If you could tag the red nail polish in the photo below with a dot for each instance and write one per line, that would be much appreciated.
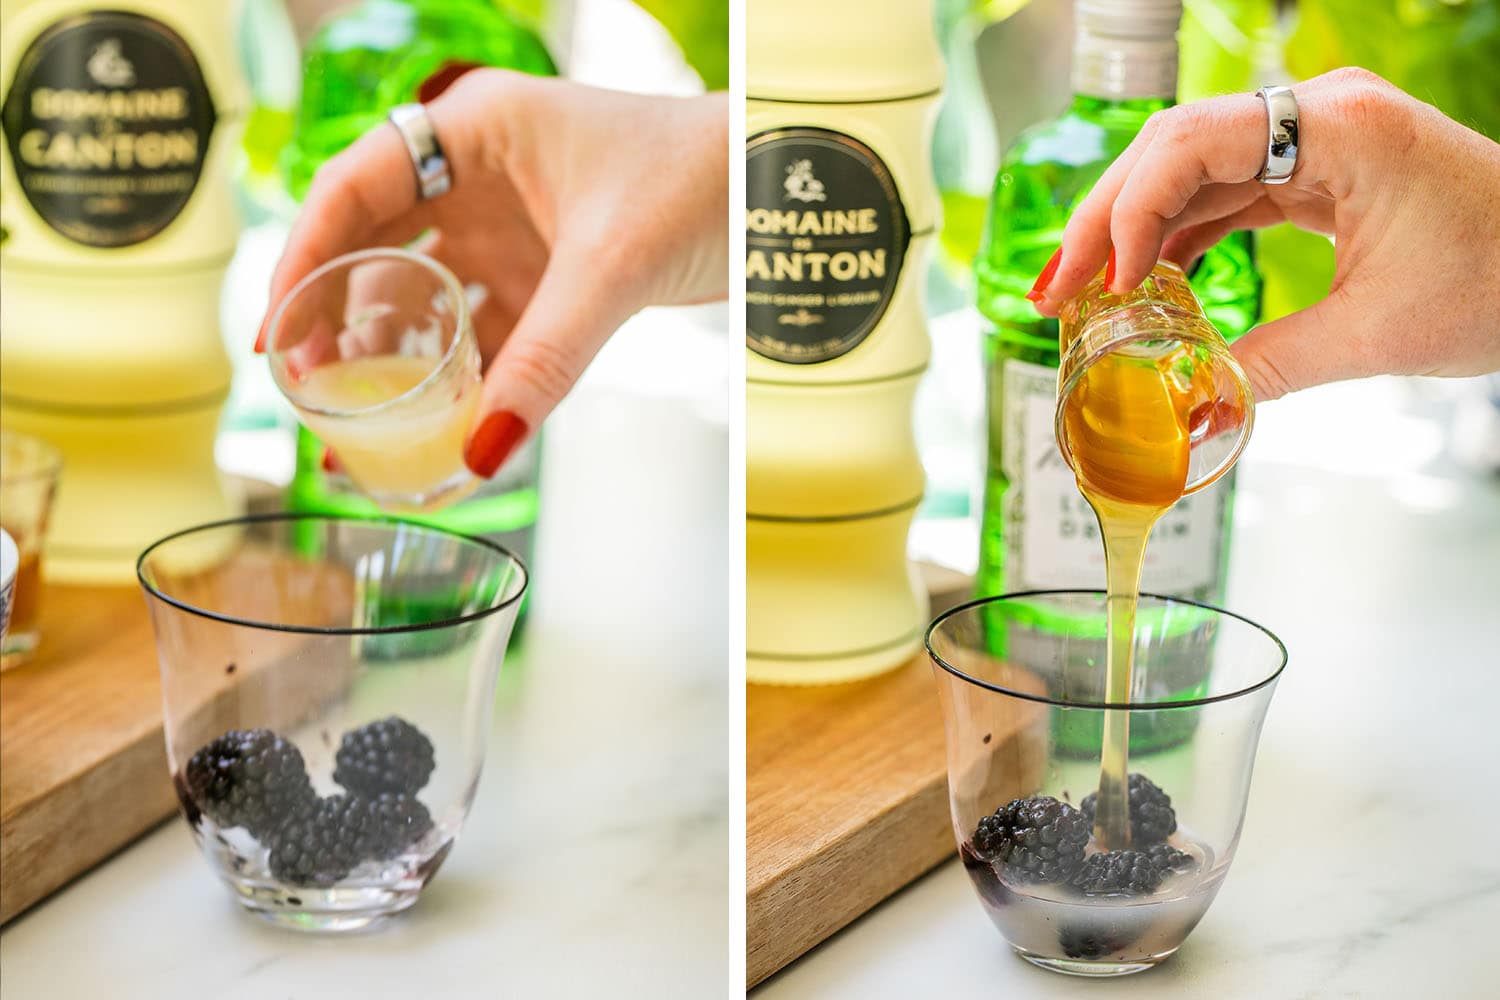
(1045, 278)
(493, 442)
(444, 77)
(330, 462)
(1109, 269)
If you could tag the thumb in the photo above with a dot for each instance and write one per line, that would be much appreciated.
(569, 317)
(1307, 348)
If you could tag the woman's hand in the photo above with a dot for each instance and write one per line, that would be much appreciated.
(574, 207)
(1411, 198)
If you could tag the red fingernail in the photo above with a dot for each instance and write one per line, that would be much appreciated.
(1045, 278)
(1109, 269)
(493, 442)
(330, 461)
(444, 77)
(260, 340)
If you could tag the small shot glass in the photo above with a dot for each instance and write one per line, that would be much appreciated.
(29, 469)
(375, 351)
(1159, 324)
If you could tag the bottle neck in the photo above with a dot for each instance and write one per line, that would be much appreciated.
(1127, 111)
(1121, 69)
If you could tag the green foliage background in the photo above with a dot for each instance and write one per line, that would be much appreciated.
(1446, 52)
(701, 28)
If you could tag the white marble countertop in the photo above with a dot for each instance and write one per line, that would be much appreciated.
(594, 861)
(1367, 867)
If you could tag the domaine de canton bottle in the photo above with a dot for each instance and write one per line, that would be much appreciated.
(841, 212)
(1037, 530)
(116, 227)
(361, 63)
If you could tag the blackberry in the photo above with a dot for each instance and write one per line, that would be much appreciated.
(311, 848)
(390, 755)
(1129, 873)
(1037, 840)
(327, 841)
(1152, 818)
(249, 778)
(384, 825)
(1170, 859)
(1093, 941)
(986, 882)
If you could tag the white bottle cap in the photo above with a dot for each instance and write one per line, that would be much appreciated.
(1126, 48)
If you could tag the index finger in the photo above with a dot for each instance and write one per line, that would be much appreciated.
(1085, 242)
(1181, 149)
(361, 189)
(353, 195)
(1217, 141)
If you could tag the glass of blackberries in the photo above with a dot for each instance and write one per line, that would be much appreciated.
(1022, 680)
(327, 686)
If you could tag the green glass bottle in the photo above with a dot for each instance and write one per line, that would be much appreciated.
(362, 62)
(1037, 531)
(379, 53)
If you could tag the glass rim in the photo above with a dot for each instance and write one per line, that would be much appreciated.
(1128, 706)
(49, 466)
(444, 274)
(289, 516)
(1096, 284)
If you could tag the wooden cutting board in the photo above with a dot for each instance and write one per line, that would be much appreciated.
(83, 765)
(846, 799)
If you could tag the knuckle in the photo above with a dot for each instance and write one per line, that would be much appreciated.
(496, 91)
(1173, 123)
(1363, 99)
(480, 83)
(330, 180)
(544, 365)
(482, 114)
(1368, 109)
(1356, 77)
(1364, 94)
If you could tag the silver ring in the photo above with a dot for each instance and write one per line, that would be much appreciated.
(1281, 138)
(433, 176)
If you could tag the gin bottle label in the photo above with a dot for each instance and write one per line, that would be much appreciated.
(1052, 539)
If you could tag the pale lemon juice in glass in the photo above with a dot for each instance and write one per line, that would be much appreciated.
(375, 351)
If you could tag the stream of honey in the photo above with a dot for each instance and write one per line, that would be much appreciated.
(1131, 421)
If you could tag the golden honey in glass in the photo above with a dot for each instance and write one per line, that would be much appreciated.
(1151, 406)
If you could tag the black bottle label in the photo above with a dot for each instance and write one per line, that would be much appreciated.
(825, 237)
(107, 120)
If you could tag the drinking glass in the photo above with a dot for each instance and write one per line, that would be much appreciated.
(1021, 673)
(29, 469)
(326, 687)
(375, 351)
(1159, 324)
